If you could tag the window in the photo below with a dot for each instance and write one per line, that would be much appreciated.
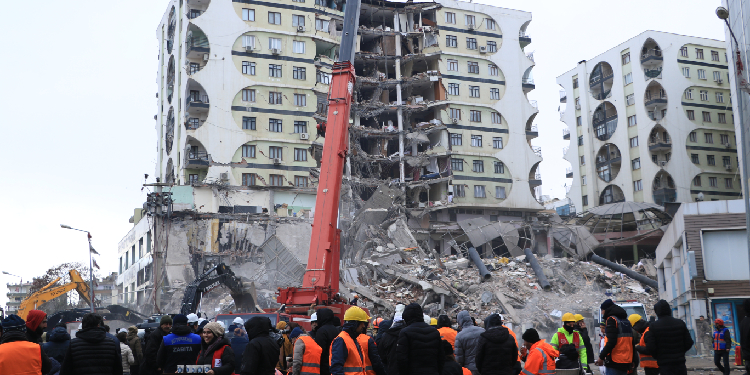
(583, 160)
(719, 97)
(490, 24)
(248, 41)
(457, 164)
(636, 164)
(274, 97)
(689, 94)
(479, 191)
(684, 52)
(710, 160)
(500, 192)
(690, 114)
(712, 182)
(575, 83)
(248, 14)
(583, 180)
(693, 136)
(493, 70)
(277, 180)
(631, 120)
(299, 72)
(634, 142)
(193, 123)
(248, 151)
(275, 152)
(499, 167)
(706, 116)
(275, 125)
(585, 200)
(701, 74)
(495, 94)
(300, 181)
(630, 99)
(248, 123)
(474, 91)
(473, 67)
(456, 113)
(470, 20)
(697, 181)
(451, 41)
(579, 121)
(695, 159)
(248, 179)
(322, 25)
(248, 95)
(580, 140)
(476, 141)
(478, 166)
(699, 53)
(274, 18)
(459, 190)
(686, 72)
(298, 20)
(300, 100)
(322, 77)
(298, 46)
(456, 139)
(726, 161)
(704, 95)
(274, 43)
(300, 154)
(491, 46)
(274, 70)
(638, 185)
(722, 118)
(475, 116)
(248, 68)
(724, 139)
(496, 118)
(453, 65)
(453, 89)
(471, 43)
(728, 183)
(497, 142)
(300, 126)
(626, 58)
(450, 17)
(628, 78)
(717, 76)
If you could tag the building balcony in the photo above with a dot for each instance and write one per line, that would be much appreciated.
(562, 115)
(193, 123)
(524, 39)
(534, 104)
(659, 146)
(655, 101)
(532, 132)
(664, 194)
(537, 150)
(527, 84)
(565, 150)
(601, 162)
(652, 57)
(652, 73)
(566, 134)
(563, 96)
(196, 101)
(568, 172)
(196, 159)
(601, 95)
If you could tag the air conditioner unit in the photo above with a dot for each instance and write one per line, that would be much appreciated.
(249, 48)
(277, 160)
(482, 49)
(304, 136)
(727, 145)
(300, 29)
(224, 176)
(719, 81)
(472, 26)
(205, 57)
(455, 120)
(276, 51)
(728, 167)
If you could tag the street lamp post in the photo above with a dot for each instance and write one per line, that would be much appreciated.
(91, 263)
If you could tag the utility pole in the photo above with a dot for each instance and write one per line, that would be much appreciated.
(158, 205)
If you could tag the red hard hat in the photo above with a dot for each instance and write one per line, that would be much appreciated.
(376, 323)
(719, 322)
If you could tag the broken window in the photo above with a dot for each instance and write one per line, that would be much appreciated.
(275, 125)
(248, 151)
(497, 142)
(300, 100)
(248, 68)
(456, 139)
(274, 97)
(479, 191)
(496, 118)
(453, 65)
(277, 180)
(455, 113)
(475, 116)
(300, 154)
(298, 46)
(300, 126)
(298, 20)
(300, 181)
(248, 14)
(248, 179)
(299, 72)
(493, 70)
(248, 95)
(476, 141)
(474, 91)
(451, 41)
(491, 46)
(457, 164)
(473, 67)
(500, 192)
(248, 123)
(453, 89)
(471, 43)
(495, 94)
(499, 167)
(274, 18)
(478, 166)
(459, 191)
(275, 152)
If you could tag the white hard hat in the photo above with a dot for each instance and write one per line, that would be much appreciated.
(192, 318)
(314, 317)
(427, 318)
(201, 320)
(238, 320)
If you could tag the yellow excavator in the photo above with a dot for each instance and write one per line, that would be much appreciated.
(50, 292)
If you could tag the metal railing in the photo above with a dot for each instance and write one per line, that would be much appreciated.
(651, 53)
(527, 81)
(197, 155)
(566, 132)
(523, 34)
(563, 95)
(652, 73)
(534, 128)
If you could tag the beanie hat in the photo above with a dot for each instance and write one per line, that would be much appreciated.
(531, 335)
(606, 304)
(34, 319)
(166, 319)
(180, 319)
(13, 322)
(295, 332)
(216, 328)
(192, 318)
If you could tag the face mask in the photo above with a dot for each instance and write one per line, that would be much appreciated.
(568, 328)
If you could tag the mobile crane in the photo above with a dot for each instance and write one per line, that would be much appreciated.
(50, 292)
(320, 284)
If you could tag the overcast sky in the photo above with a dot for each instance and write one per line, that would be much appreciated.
(77, 91)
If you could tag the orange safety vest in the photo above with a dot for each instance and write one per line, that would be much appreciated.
(719, 342)
(623, 351)
(354, 364)
(516, 341)
(465, 371)
(364, 343)
(311, 356)
(562, 340)
(448, 334)
(536, 365)
(21, 357)
(647, 361)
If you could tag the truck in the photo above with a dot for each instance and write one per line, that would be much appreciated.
(631, 307)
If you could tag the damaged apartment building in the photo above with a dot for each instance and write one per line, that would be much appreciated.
(441, 124)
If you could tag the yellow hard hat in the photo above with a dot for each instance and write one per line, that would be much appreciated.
(356, 313)
(568, 317)
(634, 318)
(433, 322)
(578, 317)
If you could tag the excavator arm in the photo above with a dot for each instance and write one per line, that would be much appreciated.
(50, 292)
(220, 274)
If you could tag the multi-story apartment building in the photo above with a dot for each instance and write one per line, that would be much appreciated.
(16, 294)
(651, 121)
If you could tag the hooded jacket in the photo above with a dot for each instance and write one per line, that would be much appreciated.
(14, 340)
(668, 338)
(745, 330)
(611, 331)
(419, 345)
(134, 342)
(180, 347)
(239, 343)
(57, 344)
(226, 366)
(387, 346)
(324, 335)
(467, 341)
(262, 352)
(33, 321)
(92, 352)
(126, 355)
(497, 352)
(155, 338)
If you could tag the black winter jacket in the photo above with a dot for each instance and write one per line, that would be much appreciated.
(205, 357)
(180, 347)
(148, 367)
(451, 367)
(92, 352)
(745, 330)
(419, 346)
(57, 344)
(387, 346)
(497, 353)
(587, 344)
(612, 333)
(262, 352)
(324, 335)
(668, 338)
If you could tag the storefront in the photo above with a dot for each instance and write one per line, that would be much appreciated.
(731, 312)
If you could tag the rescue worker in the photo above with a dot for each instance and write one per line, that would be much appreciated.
(634, 319)
(419, 344)
(376, 326)
(180, 347)
(446, 332)
(307, 354)
(538, 356)
(433, 322)
(517, 367)
(313, 324)
(567, 334)
(647, 362)
(352, 354)
(18, 355)
(617, 353)
(667, 340)
(324, 335)
(722, 345)
(581, 327)
(193, 322)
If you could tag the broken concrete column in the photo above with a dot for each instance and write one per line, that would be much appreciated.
(537, 269)
(483, 272)
(630, 273)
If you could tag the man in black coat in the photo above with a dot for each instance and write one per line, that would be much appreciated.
(57, 343)
(584, 331)
(419, 345)
(92, 352)
(745, 334)
(155, 338)
(497, 352)
(179, 348)
(262, 352)
(324, 335)
(616, 320)
(387, 345)
(667, 340)
(450, 366)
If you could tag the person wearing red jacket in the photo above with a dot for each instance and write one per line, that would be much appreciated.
(539, 356)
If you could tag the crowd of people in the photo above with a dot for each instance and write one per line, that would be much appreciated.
(410, 342)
